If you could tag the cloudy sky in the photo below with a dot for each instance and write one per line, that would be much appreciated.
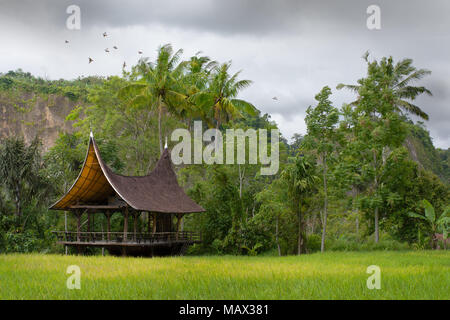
(290, 49)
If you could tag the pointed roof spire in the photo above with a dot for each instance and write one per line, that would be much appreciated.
(91, 134)
(157, 191)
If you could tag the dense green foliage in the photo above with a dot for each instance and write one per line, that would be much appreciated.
(348, 184)
(19, 81)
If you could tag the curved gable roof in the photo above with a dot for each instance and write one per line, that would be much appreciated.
(156, 192)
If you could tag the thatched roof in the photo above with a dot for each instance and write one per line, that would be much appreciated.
(156, 192)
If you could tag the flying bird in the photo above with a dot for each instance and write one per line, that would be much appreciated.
(105, 34)
(106, 50)
(115, 47)
(275, 98)
(67, 41)
(90, 60)
(140, 52)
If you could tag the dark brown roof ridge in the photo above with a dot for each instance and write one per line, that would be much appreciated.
(157, 191)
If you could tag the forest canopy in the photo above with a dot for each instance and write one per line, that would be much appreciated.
(350, 182)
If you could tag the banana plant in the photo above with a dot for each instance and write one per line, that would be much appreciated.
(436, 222)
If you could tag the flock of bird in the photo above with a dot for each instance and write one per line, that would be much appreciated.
(90, 60)
(105, 34)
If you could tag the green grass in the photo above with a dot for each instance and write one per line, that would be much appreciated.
(334, 275)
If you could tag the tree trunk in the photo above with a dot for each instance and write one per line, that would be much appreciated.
(276, 236)
(301, 245)
(357, 225)
(377, 234)
(241, 178)
(17, 202)
(325, 205)
(161, 148)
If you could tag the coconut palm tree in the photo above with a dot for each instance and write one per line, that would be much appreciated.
(159, 84)
(400, 78)
(218, 102)
(198, 70)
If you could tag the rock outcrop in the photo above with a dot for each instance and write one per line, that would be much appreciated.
(29, 114)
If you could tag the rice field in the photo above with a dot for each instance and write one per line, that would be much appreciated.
(334, 275)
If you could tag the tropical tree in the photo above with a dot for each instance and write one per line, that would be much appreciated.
(301, 179)
(436, 222)
(399, 79)
(159, 84)
(219, 102)
(274, 206)
(20, 172)
(376, 129)
(198, 69)
(321, 124)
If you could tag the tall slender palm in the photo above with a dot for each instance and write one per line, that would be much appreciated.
(301, 179)
(160, 84)
(400, 78)
(218, 103)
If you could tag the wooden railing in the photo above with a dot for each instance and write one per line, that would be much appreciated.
(118, 237)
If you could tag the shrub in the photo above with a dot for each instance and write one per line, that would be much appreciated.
(313, 243)
(348, 244)
(24, 242)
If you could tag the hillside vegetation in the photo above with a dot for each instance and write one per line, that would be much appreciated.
(364, 176)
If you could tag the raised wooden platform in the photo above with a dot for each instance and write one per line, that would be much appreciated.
(137, 244)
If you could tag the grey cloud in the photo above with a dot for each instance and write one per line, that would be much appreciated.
(290, 49)
(238, 16)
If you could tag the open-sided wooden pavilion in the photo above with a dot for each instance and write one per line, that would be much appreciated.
(98, 190)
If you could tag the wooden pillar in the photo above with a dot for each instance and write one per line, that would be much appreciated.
(108, 225)
(154, 222)
(89, 222)
(134, 225)
(78, 214)
(179, 216)
(125, 224)
(103, 239)
(92, 237)
(149, 227)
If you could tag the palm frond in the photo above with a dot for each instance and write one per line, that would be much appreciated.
(416, 75)
(245, 106)
(351, 87)
(415, 215)
(411, 108)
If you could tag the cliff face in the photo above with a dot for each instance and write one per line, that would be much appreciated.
(29, 114)
(421, 149)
